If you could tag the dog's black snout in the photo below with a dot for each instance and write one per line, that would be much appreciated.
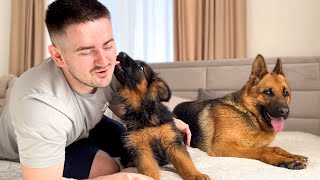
(283, 110)
(123, 58)
(122, 55)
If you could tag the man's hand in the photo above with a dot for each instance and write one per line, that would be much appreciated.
(124, 176)
(184, 128)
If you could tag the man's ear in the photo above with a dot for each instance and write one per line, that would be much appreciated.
(56, 55)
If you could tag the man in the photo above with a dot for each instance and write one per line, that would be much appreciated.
(54, 121)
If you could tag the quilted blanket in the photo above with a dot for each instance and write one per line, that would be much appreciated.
(228, 168)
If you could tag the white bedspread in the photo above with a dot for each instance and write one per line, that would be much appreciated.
(227, 168)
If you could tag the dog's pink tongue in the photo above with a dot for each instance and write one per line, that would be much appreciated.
(277, 123)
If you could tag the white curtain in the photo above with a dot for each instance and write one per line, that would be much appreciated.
(143, 28)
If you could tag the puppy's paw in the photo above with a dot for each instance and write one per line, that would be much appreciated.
(198, 177)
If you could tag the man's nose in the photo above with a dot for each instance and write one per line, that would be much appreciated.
(101, 58)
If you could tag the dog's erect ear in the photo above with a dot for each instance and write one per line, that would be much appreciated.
(278, 68)
(259, 69)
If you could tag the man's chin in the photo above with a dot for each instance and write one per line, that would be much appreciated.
(103, 83)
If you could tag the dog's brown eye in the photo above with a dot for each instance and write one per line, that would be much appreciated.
(285, 93)
(268, 92)
(140, 67)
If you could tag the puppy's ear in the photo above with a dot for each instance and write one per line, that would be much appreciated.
(164, 94)
(278, 68)
(259, 69)
(159, 90)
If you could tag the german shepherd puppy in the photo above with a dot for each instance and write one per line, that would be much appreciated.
(152, 138)
(243, 123)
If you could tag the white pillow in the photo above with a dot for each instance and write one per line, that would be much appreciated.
(174, 101)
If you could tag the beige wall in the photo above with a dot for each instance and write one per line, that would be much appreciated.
(5, 10)
(283, 27)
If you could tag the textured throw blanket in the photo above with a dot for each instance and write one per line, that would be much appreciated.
(228, 168)
(220, 168)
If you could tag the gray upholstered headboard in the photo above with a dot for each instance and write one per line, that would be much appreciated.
(226, 75)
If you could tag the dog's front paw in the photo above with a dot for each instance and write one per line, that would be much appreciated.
(301, 158)
(295, 164)
(198, 177)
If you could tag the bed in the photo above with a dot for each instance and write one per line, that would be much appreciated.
(215, 78)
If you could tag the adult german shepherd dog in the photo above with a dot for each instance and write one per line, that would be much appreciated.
(243, 123)
(152, 138)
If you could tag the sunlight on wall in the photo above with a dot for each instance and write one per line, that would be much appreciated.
(5, 11)
(283, 27)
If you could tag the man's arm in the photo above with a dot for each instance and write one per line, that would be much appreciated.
(55, 173)
(51, 173)
(41, 138)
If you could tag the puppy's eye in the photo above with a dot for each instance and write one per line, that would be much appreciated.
(268, 92)
(285, 93)
(140, 67)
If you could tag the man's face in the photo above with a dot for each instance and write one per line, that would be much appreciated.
(88, 55)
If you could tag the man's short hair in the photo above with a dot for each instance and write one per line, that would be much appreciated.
(63, 13)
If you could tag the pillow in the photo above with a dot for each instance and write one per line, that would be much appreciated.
(6, 84)
(205, 95)
(174, 101)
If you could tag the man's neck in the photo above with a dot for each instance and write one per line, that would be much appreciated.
(76, 84)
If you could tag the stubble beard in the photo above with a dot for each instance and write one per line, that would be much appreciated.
(93, 83)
